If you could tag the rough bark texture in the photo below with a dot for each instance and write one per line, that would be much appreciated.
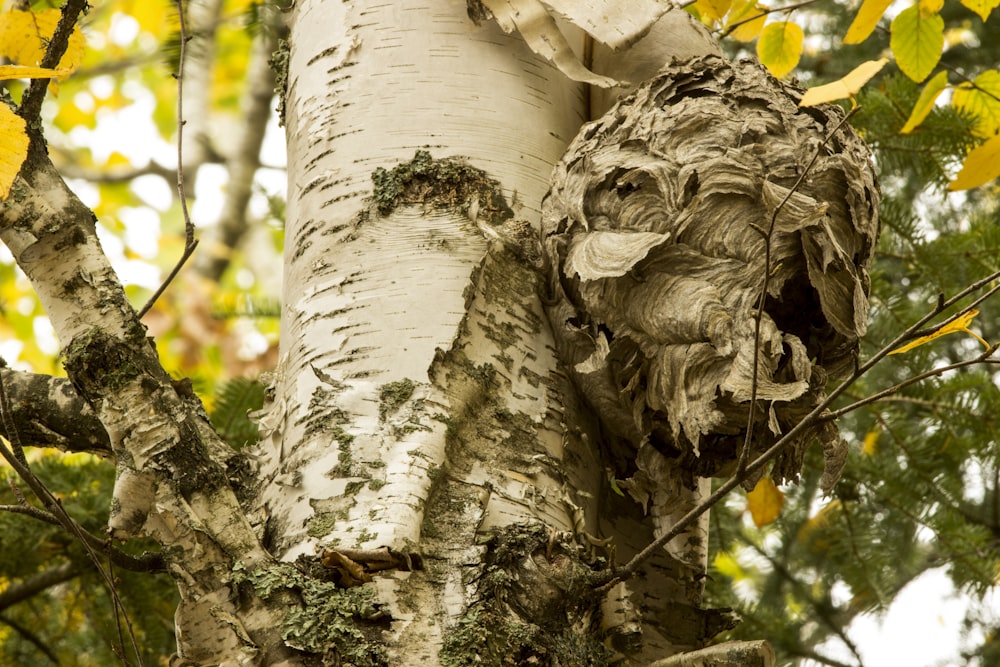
(49, 413)
(172, 484)
(658, 228)
(418, 410)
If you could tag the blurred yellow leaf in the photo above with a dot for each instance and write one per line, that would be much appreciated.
(846, 86)
(151, 16)
(780, 47)
(765, 502)
(813, 532)
(917, 37)
(960, 323)
(14, 139)
(24, 36)
(981, 7)
(866, 20)
(28, 72)
(748, 16)
(69, 115)
(117, 159)
(928, 96)
(981, 165)
(981, 100)
(871, 442)
(714, 9)
(727, 565)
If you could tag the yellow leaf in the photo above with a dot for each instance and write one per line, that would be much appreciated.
(780, 47)
(713, 9)
(117, 159)
(765, 502)
(928, 96)
(981, 165)
(27, 72)
(815, 533)
(981, 100)
(14, 139)
(916, 39)
(846, 86)
(981, 7)
(748, 16)
(24, 36)
(727, 565)
(866, 20)
(960, 323)
(871, 442)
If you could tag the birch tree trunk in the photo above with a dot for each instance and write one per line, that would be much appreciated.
(431, 487)
(422, 435)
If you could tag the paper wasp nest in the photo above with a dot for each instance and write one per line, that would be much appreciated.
(655, 233)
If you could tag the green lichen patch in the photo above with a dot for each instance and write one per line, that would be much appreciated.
(392, 395)
(279, 65)
(535, 606)
(330, 621)
(448, 182)
(98, 362)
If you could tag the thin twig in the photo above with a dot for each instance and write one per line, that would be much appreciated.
(190, 242)
(786, 9)
(32, 638)
(759, 316)
(981, 359)
(53, 505)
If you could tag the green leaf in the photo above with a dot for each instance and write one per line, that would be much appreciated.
(928, 96)
(229, 415)
(916, 40)
(780, 47)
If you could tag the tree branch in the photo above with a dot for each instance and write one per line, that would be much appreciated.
(38, 582)
(244, 160)
(32, 638)
(48, 412)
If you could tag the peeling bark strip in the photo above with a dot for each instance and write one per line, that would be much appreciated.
(657, 228)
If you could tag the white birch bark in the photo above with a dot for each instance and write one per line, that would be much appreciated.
(370, 300)
(171, 483)
(410, 302)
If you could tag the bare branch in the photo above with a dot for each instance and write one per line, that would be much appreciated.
(38, 582)
(244, 161)
(32, 638)
(190, 243)
(765, 285)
